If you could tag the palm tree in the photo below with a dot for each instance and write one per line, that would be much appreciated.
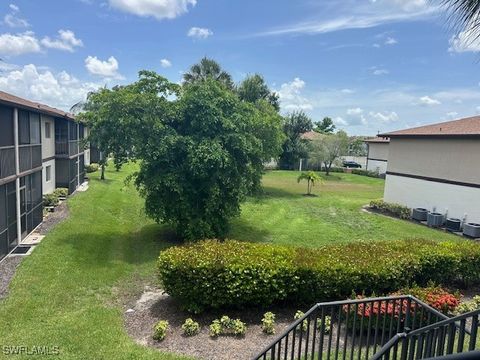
(465, 14)
(208, 69)
(311, 178)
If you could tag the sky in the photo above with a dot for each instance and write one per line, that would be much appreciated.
(371, 65)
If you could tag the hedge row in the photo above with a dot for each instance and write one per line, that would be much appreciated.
(212, 274)
(397, 210)
(368, 173)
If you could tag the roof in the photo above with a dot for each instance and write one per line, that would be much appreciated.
(310, 135)
(462, 127)
(383, 140)
(10, 99)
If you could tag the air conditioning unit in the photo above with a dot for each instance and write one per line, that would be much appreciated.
(453, 224)
(435, 219)
(472, 230)
(419, 214)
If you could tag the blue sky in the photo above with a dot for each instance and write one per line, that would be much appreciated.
(371, 65)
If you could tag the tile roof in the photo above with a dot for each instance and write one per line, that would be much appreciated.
(462, 127)
(31, 105)
(310, 135)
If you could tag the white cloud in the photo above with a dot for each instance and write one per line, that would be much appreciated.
(199, 33)
(376, 45)
(378, 72)
(18, 44)
(359, 15)
(106, 69)
(165, 63)
(13, 20)
(354, 111)
(428, 101)
(347, 91)
(339, 121)
(384, 117)
(291, 97)
(60, 90)
(465, 41)
(390, 41)
(65, 40)
(159, 9)
(452, 115)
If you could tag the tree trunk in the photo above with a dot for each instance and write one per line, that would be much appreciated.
(102, 175)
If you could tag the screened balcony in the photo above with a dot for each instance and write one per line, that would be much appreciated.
(67, 142)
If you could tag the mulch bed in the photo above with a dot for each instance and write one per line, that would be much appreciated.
(154, 305)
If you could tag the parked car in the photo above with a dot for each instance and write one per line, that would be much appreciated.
(351, 164)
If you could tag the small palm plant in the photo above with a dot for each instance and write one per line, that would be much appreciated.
(311, 178)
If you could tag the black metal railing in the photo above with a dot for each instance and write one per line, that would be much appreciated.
(353, 329)
(451, 336)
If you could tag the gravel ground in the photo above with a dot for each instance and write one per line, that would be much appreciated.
(61, 213)
(7, 270)
(153, 306)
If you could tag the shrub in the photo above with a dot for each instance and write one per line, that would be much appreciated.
(61, 192)
(212, 274)
(50, 200)
(93, 167)
(227, 326)
(268, 323)
(468, 306)
(160, 330)
(396, 210)
(373, 174)
(435, 296)
(298, 315)
(190, 327)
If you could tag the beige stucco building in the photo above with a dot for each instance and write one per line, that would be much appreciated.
(377, 154)
(437, 167)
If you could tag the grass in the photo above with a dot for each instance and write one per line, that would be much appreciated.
(66, 293)
(283, 216)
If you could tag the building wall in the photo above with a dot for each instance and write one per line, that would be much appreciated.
(48, 144)
(48, 186)
(447, 159)
(452, 200)
(378, 151)
(377, 166)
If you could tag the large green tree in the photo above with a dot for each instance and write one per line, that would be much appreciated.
(201, 151)
(326, 126)
(254, 89)
(208, 69)
(294, 147)
(327, 148)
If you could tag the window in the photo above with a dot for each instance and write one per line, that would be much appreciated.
(48, 173)
(35, 128)
(47, 130)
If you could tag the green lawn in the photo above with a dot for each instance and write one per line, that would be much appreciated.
(283, 216)
(67, 292)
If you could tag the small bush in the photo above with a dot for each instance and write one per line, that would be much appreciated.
(50, 200)
(190, 327)
(435, 296)
(268, 323)
(369, 173)
(212, 274)
(160, 330)
(328, 323)
(61, 192)
(298, 315)
(468, 306)
(396, 210)
(227, 326)
(93, 167)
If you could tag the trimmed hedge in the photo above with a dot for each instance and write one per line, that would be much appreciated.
(368, 173)
(211, 274)
(397, 210)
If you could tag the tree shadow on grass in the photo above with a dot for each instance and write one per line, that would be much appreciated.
(268, 192)
(244, 231)
(103, 249)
